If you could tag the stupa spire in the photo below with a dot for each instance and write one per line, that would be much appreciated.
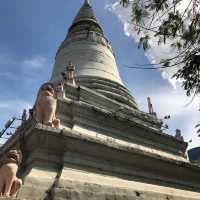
(87, 2)
(86, 17)
(89, 50)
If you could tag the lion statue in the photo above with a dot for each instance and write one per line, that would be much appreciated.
(9, 183)
(45, 107)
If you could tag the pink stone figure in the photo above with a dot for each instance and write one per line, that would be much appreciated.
(69, 74)
(45, 106)
(9, 183)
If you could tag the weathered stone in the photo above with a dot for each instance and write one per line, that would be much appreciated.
(106, 148)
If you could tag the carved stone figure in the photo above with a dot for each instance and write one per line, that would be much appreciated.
(9, 183)
(69, 74)
(150, 107)
(45, 106)
(178, 135)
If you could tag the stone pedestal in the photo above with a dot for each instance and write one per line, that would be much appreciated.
(102, 154)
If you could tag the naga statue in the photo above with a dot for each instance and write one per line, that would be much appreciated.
(9, 183)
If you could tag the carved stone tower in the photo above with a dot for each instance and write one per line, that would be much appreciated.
(105, 147)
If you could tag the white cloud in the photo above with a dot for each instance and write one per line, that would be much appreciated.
(155, 53)
(36, 62)
(174, 103)
(4, 105)
(13, 107)
(10, 76)
(27, 68)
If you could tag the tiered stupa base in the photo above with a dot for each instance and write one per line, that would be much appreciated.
(100, 154)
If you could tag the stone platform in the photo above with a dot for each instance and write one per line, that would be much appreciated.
(102, 154)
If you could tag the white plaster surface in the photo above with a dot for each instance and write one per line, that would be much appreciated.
(89, 58)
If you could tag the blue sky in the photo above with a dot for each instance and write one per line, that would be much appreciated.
(31, 32)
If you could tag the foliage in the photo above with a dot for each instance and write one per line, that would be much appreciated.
(165, 20)
(198, 129)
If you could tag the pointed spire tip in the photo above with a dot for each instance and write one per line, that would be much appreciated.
(87, 2)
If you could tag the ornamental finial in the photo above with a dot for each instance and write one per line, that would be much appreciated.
(87, 2)
(150, 106)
